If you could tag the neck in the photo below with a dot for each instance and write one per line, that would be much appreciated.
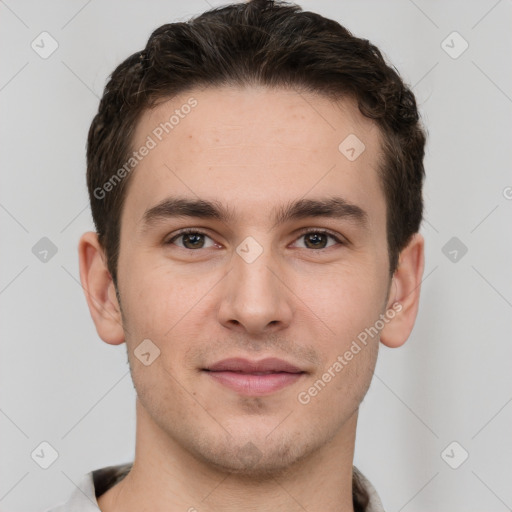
(166, 477)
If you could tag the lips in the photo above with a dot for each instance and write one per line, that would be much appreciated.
(240, 365)
(254, 378)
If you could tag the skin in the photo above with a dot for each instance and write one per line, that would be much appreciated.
(198, 443)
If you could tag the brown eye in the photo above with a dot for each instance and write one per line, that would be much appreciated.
(190, 239)
(318, 239)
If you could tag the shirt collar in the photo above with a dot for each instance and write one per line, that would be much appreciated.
(97, 482)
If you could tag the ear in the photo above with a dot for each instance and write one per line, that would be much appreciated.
(99, 290)
(404, 294)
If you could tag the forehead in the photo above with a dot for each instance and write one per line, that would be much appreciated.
(240, 115)
(253, 146)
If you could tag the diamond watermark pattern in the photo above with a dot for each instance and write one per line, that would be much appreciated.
(454, 249)
(351, 147)
(454, 455)
(454, 45)
(44, 250)
(146, 352)
(249, 455)
(249, 250)
(44, 455)
(44, 45)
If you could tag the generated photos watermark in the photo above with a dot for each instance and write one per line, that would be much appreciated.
(304, 397)
(158, 133)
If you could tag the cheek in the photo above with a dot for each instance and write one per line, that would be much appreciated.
(347, 308)
(352, 303)
(345, 301)
(162, 308)
(160, 301)
(170, 309)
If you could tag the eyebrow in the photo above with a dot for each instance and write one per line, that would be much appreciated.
(334, 207)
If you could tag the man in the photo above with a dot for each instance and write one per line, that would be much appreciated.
(255, 178)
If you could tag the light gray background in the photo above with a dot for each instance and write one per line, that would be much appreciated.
(450, 382)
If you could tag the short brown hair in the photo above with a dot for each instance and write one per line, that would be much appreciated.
(269, 43)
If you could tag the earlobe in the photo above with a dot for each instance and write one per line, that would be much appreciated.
(405, 294)
(99, 290)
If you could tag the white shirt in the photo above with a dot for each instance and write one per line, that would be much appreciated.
(97, 482)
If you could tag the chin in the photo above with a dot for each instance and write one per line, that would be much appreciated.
(254, 460)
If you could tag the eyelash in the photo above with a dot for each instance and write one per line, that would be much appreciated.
(303, 233)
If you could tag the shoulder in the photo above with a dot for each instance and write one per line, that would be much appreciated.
(365, 496)
(92, 485)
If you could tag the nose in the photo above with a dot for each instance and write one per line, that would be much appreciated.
(255, 299)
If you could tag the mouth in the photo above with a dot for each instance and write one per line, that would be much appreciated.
(254, 378)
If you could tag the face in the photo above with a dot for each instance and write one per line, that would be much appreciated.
(267, 279)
